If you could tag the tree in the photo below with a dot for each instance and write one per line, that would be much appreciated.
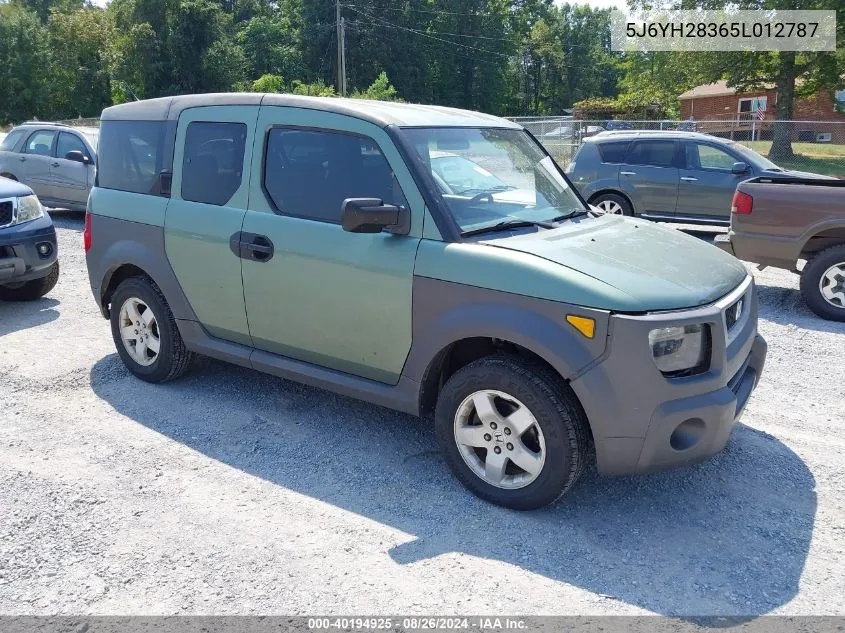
(269, 83)
(24, 57)
(793, 74)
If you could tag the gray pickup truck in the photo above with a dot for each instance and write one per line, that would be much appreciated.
(779, 222)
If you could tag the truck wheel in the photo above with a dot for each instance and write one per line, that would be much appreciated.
(31, 290)
(613, 204)
(511, 432)
(823, 283)
(145, 332)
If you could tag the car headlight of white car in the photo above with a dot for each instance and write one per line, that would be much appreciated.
(29, 208)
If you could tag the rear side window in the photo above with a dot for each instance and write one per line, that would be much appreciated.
(11, 140)
(613, 152)
(310, 173)
(69, 143)
(212, 168)
(132, 156)
(654, 153)
(40, 143)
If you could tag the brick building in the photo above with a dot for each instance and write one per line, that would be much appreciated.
(733, 112)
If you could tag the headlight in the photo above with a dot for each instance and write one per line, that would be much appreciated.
(681, 351)
(29, 208)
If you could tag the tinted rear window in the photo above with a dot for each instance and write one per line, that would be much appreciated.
(655, 153)
(613, 152)
(212, 168)
(131, 156)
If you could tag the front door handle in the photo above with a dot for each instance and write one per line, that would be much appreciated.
(22, 158)
(688, 179)
(627, 173)
(251, 246)
(56, 164)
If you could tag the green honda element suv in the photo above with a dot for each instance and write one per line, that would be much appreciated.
(422, 258)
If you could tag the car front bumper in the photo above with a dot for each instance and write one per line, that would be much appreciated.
(20, 260)
(643, 421)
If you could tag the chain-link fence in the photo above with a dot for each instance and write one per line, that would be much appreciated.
(817, 146)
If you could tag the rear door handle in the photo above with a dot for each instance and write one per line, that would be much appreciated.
(627, 173)
(22, 158)
(251, 246)
(56, 164)
(688, 179)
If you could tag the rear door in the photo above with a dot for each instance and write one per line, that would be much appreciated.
(71, 178)
(210, 192)
(35, 162)
(707, 184)
(650, 176)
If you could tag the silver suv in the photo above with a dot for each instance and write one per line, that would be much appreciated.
(56, 161)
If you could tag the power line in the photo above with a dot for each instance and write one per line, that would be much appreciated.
(475, 15)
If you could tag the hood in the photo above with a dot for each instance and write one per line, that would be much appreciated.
(659, 268)
(12, 188)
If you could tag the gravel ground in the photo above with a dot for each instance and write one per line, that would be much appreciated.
(232, 492)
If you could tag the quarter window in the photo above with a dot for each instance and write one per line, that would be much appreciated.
(654, 153)
(309, 173)
(212, 169)
(613, 152)
(11, 140)
(69, 143)
(40, 143)
(132, 156)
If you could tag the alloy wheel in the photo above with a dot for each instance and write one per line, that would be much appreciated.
(499, 439)
(139, 331)
(610, 206)
(832, 285)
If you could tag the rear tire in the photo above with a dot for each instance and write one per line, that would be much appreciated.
(145, 332)
(529, 443)
(32, 290)
(613, 204)
(823, 283)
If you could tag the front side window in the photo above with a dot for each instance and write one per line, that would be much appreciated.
(40, 143)
(701, 156)
(490, 175)
(212, 168)
(69, 143)
(309, 173)
(11, 140)
(652, 153)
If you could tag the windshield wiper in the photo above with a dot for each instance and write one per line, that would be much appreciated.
(477, 190)
(506, 225)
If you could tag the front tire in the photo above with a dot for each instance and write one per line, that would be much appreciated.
(145, 332)
(32, 290)
(613, 204)
(823, 283)
(512, 432)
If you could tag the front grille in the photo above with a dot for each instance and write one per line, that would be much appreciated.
(734, 313)
(6, 210)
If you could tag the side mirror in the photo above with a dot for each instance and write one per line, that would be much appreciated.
(78, 156)
(739, 168)
(371, 215)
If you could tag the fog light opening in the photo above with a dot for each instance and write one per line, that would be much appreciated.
(44, 249)
(687, 434)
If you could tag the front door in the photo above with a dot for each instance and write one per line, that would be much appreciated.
(313, 291)
(210, 191)
(650, 177)
(70, 177)
(707, 183)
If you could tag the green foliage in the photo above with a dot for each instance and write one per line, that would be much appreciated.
(316, 89)
(380, 90)
(24, 54)
(269, 83)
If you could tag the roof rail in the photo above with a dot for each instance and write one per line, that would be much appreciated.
(45, 123)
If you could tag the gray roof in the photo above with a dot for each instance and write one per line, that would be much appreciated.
(616, 135)
(382, 113)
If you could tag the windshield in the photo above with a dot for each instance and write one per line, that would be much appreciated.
(753, 157)
(487, 176)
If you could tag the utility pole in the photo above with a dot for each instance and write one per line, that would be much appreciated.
(341, 53)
